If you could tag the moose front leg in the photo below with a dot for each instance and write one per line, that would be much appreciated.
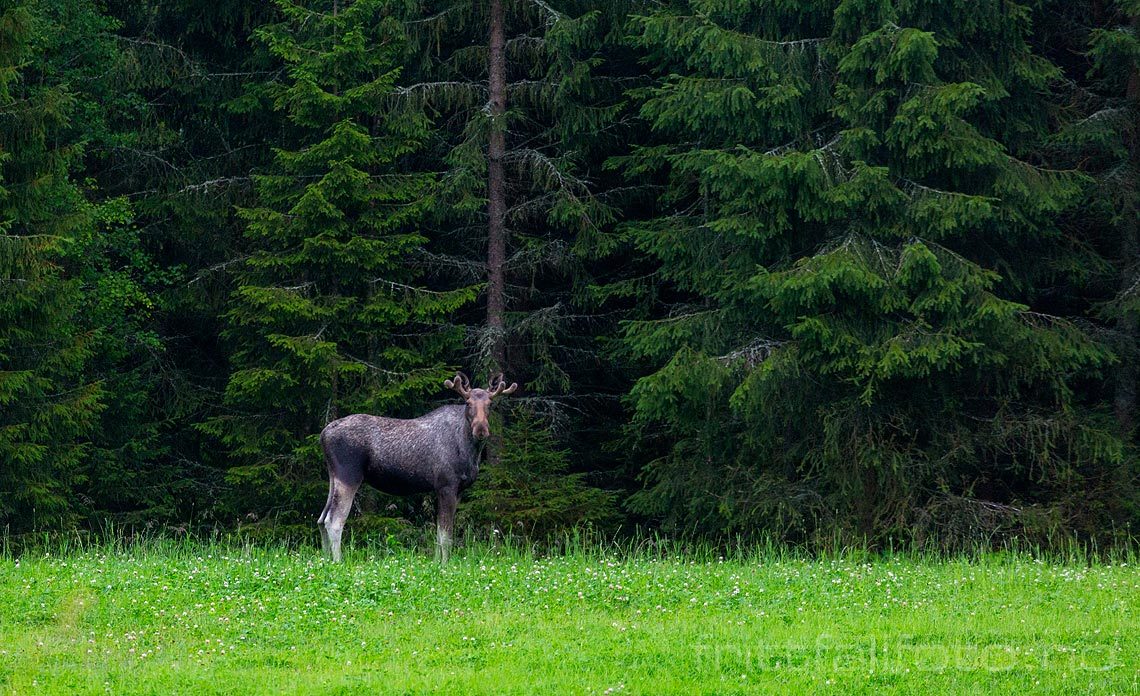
(446, 500)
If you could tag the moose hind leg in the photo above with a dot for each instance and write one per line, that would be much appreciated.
(324, 516)
(340, 503)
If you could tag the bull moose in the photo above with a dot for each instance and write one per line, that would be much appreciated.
(437, 452)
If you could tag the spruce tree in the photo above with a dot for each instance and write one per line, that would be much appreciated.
(1107, 139)
(854, 221)
(531, 491)
(184, 133)
(1096, 48)
(75, 339)
(523, 101)
(327, 318)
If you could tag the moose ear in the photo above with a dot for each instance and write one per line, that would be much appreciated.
(449, 384)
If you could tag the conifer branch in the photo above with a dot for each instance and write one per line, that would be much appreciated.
(552, 15)
(543, 318)
(150, 43)
(1110, 113)
(217, 267)
(526, 39)
(673, 318)
(207, 185)
(754, 353)
(548, 166)
(471, 268)
(439, 85)
(1035, 318)
(148, 155)
(1039, 170)
(397, 376)
(432, 18)
(411, 288)
(529, 257)
(912, 186)
(752, 38)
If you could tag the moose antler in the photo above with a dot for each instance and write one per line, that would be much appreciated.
(499, 386)
(460, 384)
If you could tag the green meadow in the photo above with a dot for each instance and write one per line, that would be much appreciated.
(190, 618)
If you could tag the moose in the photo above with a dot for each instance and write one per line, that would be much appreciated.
(437, 452)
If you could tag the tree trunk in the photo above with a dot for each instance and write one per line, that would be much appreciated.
(1125, 401)
(496, 188)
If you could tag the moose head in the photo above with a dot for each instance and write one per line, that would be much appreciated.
(479, 400)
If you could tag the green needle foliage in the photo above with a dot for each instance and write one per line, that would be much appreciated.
(561, 101)
(46, 405)
(823, 271)
(563, 105)
(530, 491)
(854, 219)
(326, 319)
(75, 338)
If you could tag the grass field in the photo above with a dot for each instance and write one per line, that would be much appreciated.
(166, 618)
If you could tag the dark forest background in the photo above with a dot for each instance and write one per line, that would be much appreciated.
(845, 269)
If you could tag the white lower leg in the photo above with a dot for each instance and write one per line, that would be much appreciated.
(333, 531)
(340, 502)
(442, 544)
(324, 538)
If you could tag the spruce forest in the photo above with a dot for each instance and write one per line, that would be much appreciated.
(857, 270)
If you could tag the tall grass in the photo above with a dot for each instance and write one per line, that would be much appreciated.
(137, 613)
(580, 542)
